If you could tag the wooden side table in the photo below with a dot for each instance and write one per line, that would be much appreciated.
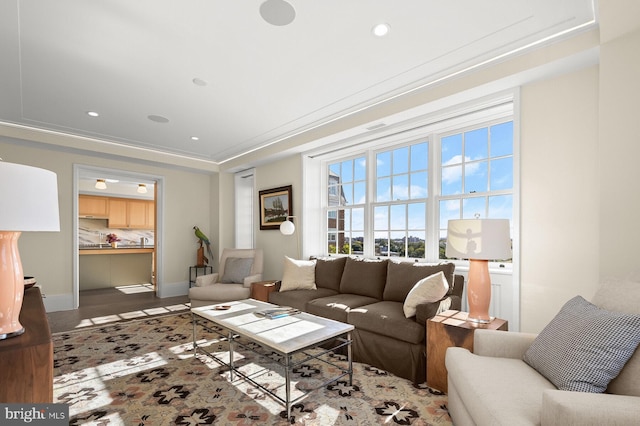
(27, 360)
(260, 290)
(448, 329)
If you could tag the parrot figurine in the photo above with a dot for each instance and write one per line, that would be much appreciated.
(204, 239)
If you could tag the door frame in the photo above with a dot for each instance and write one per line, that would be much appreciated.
(78, 169)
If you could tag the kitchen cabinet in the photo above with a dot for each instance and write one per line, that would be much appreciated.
(129, 213)
(90, 206)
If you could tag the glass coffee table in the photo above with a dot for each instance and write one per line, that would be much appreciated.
(239, 321)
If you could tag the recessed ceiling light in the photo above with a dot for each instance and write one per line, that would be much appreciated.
(381, 30)
(92, 113)
(195, 138)
(199, 82)
(158, 118)
(277, 12)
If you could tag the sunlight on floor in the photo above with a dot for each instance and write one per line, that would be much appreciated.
(135, 288)
(133, 314)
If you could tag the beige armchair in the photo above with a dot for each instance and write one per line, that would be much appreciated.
(238, 269)
(495, 386)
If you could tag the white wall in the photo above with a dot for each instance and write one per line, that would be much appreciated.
(559, 243)
(49, 255)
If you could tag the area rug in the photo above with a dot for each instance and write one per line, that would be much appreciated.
(144, 372)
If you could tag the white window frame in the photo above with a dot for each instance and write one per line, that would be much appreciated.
(430, 129)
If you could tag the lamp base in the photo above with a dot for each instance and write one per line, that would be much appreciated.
(12, 334)
(480, 320)
(11, 285)
(479, 291)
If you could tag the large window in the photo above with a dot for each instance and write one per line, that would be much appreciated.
(399, 208)
(476, 176)
(346, 198)
(396, 201)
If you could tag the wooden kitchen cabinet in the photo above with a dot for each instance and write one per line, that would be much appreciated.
(129, 213)
(93, 207)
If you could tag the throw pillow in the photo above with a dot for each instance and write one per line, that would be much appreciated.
(204, 280)
(427, 290)
(236, 269)
(298, 275)
(584, 347)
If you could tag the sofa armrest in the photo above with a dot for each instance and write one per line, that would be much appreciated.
(582, 408)
(252, 279)
(501, 344)
(424, 311)
(205, 280)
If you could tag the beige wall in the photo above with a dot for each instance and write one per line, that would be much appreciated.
(279, 173)
(559, 243)
(49, 255)
(619, 154)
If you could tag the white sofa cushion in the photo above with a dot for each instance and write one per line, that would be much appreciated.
(298, 275)
(584, 347)
(494, 391)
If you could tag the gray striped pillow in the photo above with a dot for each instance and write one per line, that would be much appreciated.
(584, 347)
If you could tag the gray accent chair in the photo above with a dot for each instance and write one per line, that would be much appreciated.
(494, 386)
(210, 290)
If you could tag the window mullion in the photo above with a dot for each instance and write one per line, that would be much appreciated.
(432, 209)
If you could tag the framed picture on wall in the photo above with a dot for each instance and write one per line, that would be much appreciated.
(275, 206)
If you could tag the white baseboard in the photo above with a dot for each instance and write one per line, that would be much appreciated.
(173, 289)
(57, 302)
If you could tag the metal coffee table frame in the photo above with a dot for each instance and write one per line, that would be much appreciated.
(232, 336)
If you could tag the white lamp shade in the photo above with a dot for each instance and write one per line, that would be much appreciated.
(287, 227)
(29, 198)
(481, 239)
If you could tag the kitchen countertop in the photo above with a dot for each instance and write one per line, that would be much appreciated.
(122, 249)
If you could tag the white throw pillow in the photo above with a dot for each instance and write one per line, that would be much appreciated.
(298, 275)
(427, 290)
(204, 280)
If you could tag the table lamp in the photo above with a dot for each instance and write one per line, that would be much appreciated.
(478, 240)
(29, 198)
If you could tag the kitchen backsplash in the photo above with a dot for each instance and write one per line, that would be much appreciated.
(89, 233)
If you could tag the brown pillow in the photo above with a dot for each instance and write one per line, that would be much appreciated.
(329, 272)
(365, 277)
(402, 276)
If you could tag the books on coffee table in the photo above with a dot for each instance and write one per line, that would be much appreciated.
(280, 312)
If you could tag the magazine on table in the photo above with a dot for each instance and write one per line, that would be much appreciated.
(274, 313)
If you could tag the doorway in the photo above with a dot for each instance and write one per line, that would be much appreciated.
(139, 247)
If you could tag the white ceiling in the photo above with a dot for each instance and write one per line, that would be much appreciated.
(128, 60)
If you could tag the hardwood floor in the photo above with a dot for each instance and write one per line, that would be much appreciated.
(108, 305)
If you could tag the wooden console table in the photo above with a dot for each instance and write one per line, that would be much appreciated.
(448, 329)
(27, 360)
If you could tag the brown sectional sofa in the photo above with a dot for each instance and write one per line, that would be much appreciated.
(369, 294)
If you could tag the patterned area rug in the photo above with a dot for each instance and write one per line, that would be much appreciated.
(143, 372)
